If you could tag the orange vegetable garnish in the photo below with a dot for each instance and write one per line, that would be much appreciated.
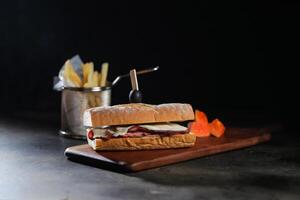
(199, 129)
(217, 128)
(201, 117)
(200, 126)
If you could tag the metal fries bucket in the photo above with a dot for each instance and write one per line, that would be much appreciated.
(74, 101)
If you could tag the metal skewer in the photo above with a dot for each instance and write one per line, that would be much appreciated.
(135, 95)
(138, 73)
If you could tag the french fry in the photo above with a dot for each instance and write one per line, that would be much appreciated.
(91, 100)
(88, 75)
(71, 75)
(87, 69)
(104, 71)
(95, 79)
(98, 100)
(99, 79)
(87, 85)
(92, 80)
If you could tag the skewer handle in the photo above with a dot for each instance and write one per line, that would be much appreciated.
(134, 81)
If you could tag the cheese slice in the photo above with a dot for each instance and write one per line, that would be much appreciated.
(122, 130)
(164, 127)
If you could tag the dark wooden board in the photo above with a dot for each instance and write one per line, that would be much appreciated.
(235, 138)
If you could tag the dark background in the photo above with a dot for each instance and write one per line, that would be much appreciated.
(234, 60)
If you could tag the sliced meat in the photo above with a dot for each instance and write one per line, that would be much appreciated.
(136, 134)
(137, 131)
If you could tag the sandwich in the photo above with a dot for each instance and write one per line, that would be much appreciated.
(138, 126)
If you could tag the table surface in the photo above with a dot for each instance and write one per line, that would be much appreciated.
(33, 166)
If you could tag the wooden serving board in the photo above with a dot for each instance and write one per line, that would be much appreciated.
(131, 161)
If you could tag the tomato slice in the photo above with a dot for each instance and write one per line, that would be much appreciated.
(91, 134)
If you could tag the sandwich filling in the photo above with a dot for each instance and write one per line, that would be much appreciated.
(163, 129)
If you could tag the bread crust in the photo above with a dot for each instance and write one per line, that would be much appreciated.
(144, 143)
(137, 113)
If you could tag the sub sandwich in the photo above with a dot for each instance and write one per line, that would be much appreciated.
(138, 126)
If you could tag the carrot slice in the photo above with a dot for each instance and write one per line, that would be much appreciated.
(200, 117)
(199, 129)
(217, 128)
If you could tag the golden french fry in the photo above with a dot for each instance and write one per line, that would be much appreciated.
(92, 80)
(71, 75)
(95, 79)
(87, 69)
(91, 100)
(85, 72)
(99, 79)
(98, 100)
(88, 75)
(87, 85)
(104, 71)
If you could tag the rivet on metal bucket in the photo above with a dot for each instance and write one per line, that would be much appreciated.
(74, 101)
